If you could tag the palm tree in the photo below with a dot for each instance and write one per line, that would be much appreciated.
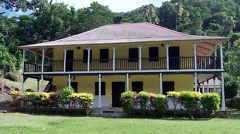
(178, 10)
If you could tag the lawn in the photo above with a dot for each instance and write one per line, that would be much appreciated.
(24, 123)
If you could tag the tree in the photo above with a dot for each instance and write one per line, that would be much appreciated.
(178, 10)
(150, 15)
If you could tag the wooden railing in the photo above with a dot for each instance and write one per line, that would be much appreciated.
(175, 63)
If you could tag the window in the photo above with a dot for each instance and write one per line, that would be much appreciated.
(137, 86)
(133, 55)
(167, 86)
(102, 88)
(153, 53)
(85, 56)
(103, 55)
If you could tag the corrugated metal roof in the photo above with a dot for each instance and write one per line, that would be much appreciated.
(124, 33)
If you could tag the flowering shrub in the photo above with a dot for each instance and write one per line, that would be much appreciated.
(144, 98)
(174, 96)
(36, 99)
(191, 101)
(65, 98)
(16, 98)
(74, 97)
(54, 98)
(45, 99)
(211, 102)
(86, 100)
(128, 100)
(159, 102)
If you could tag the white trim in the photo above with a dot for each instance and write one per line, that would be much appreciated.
(203, 88)
(195, 54)
(124, 72)
(127, 75)
(223, 97)
(89, 48)
(41, 83)
(99, 91)
(140, 56)
(167, 47)
(221, 53)
(160, 83)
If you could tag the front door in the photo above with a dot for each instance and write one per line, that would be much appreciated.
(117, 89)
(173, 58)
(69, 58)
(74, 86)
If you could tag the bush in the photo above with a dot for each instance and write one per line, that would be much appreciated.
(144, 98)
(36, 99)
(11, 76)
(54, 98)
(65, 98)
(16, 98)
(45, 99)
(159, 102)
(174, 96)
(86, 100)
(211, 102)
(128, 100)
(191, 101)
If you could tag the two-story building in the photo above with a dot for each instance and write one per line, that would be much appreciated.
(112, 59)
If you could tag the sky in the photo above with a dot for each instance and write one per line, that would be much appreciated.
(114, 5)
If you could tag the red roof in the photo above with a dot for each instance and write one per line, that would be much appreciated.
(125, 33)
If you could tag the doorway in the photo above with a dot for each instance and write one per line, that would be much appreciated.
(117, 89)
(174, 58)
(69, 60)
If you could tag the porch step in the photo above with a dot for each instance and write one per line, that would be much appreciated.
(108, 112)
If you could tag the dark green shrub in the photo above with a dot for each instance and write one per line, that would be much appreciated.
(65, 98)
(143, 98)
(159, 102)
(191, 101)
(11, 76)
(128, 100)
(210, 103)
(174, 96)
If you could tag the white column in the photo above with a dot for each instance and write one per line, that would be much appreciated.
(215, 57)
(38, 85)
(207, 86)
(99, 91)
(69, 81)
(223, 97)
(195, 81)
(160, 83)
(195, 54)
(203, 88)
(167, 47)
(89, 48)
(127, 82)
(64, 58)
(114, 47)
(214, 84)
(199, 87)
(140, 56)
(221, 53)
(43, 56)
(24, 52)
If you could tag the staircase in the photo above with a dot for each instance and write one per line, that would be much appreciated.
(108, 112)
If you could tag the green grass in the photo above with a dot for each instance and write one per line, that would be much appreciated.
(232, 111)
(24, 123)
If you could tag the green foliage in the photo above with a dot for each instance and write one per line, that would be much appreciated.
(11, 76)
(191, 101)
(86, 100)
(231, 86)
(159, 102)
(65, 97)
(174, 97)
(210, 102)
(143, 99)
(36, 99)
(128, 100)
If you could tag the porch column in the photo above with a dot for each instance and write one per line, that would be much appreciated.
(195, 54)
(38, 85)
(127, 82)
(69, 80)
(223, 97)
(199, 87)
(214, 84)
(215, 57)
(203, 88)
(23, 62)
(160, 83)
(195, 81)
(221, 54)
(99, 90)
(64, 58)
(140, 56)
(167, 47)
(89, 48)
(207, 86)
(43, 54)
(35, 63)
(114, 47)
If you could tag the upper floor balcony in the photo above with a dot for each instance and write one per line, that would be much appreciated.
(123, 64)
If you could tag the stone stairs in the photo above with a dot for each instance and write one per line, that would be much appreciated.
(108, 112)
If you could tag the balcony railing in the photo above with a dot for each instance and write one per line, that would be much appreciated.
(175, 63)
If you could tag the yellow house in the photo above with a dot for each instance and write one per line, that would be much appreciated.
(116, 58)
